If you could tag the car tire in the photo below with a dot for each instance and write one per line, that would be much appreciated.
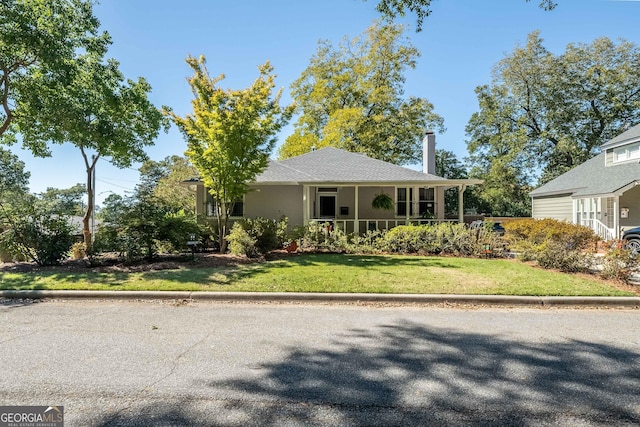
(634, 245)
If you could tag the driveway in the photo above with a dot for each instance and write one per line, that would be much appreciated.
(149, 363)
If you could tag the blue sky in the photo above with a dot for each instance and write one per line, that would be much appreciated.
(460, 43)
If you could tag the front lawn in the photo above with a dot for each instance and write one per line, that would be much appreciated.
(332, 273)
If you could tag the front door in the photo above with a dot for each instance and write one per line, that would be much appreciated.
(328, 206)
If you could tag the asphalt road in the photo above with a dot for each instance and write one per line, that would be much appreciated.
(149, 363)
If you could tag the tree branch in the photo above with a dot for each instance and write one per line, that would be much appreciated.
(5, 102)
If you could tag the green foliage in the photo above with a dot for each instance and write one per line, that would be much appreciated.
(549, 113)
(554, 244)
(241, 243)
(382, 201)
(230, 134)
(163, 180)
(540, 231)
(39, 236)
(39, 44)
(442, 239)
(142, 225)
(391, 9)
(352, 97)
(558, 254)
(98, 111)
(13, 178)
(322, 236)
(619, 263)
(448, 166)
(66, 201)
(257, 236)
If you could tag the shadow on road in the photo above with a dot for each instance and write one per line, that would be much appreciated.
(406, 374)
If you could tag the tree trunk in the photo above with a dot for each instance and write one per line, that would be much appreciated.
(86, 228)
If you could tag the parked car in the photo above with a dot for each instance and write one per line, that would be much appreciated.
(632, 239)
(496, 226)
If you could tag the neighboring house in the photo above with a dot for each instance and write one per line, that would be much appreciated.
(337, 186)
(602, 193)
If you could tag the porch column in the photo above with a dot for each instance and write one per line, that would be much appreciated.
(408, 204)
(461, 189)
(305, 204)
(356, 211)
(616, 217)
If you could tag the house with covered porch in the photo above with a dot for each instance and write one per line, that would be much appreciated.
(603, 193)
(336, 186)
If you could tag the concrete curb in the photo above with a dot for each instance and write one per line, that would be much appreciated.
(426, 299)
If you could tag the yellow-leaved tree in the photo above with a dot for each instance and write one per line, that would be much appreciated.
(230, 134)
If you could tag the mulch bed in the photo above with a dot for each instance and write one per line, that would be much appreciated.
(111, 263)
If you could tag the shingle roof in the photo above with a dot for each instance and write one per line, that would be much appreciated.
(627, 136)
(276, 172)
(591, 178)
(331, 164)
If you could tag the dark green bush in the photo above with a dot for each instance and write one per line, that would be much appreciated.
(43, 238)
(257, 236)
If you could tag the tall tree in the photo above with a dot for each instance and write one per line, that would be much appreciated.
(39, 41)
(230, 134)
(163, 180)
(66, 201)
(449, 166)
(99, 112)
(544, 114)
(353, 98)
(13, 177)
(390, 9)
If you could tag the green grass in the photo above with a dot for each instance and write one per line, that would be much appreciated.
(334, 273)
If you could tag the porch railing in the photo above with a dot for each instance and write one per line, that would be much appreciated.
(599, 228)
(361, 226)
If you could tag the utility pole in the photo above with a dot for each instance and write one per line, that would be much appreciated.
(93, 197)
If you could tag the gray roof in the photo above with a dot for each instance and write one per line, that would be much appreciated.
(591, 178)
(624, 137)
(334, 165)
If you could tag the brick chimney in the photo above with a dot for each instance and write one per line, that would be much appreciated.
(429, 153)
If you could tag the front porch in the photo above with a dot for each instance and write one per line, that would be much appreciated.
(349, 207)
(608, 215)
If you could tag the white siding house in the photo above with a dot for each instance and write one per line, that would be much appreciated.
(602, 193)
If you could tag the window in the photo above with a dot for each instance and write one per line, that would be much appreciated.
(628, 152)
(238, 207)
(426, 202)
(401, 199)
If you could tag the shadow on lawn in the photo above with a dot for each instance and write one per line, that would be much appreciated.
(406, 374)
(228, 275)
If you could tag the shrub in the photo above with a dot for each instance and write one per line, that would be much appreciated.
(444, 238)
(43, 238)
(78, 250)
(556, 254)
(258, 236)
(619, 263)
(538, 231)
(241, 243)
(408, 239)
(554, 244)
